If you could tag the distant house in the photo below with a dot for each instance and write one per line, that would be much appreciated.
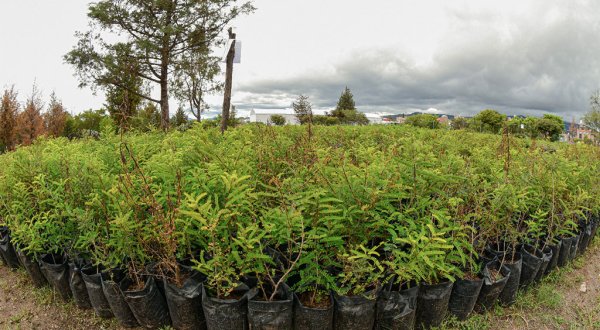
(578, 132)
(443, 120)
(582, 133)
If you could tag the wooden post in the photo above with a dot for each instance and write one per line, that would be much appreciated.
(228, 82)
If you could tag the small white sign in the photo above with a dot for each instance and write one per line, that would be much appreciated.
(238, 52)
(237, 58)
(227, 48)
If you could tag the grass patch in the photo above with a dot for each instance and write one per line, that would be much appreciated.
(548, 297)
(43, 296)
(543, 304)
(578, 263)
(23, 315)
(475, 322)
(538, 299)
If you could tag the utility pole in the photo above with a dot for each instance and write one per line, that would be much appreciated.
(228, 82)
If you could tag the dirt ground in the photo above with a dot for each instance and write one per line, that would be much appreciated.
(567, 299)
(24, 307)
(559, 302)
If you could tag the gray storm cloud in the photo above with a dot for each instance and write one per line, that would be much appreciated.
(537, 64)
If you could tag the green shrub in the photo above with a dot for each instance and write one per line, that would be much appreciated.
(337, 208)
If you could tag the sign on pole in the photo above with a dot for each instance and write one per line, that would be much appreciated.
(238, 52)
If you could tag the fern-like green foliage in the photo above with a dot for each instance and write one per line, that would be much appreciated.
(219, 219)
(340, 209)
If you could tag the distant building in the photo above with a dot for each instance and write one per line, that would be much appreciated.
(578, 132)
(264, 115)
(384, 118)
(374, 118)
(582, 133)
(443, 120)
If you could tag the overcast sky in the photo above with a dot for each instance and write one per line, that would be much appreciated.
(519, 57)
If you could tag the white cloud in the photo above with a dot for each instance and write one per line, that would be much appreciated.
(433, 111)
(461, 56)
(396, 55)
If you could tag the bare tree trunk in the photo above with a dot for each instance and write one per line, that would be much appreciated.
(164, 105)
(164, 88)
(164, 73)
(228, 83)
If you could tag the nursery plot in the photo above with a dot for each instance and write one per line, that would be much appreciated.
(281, 223)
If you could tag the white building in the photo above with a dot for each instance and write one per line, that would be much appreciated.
(264, 115)
(374, 118)
(377, 117)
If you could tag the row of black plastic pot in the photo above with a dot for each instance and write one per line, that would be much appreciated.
(160, 303)
(507, 270)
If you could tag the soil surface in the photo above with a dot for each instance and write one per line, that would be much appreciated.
(568, 300)
(24, 307)
(320, 301)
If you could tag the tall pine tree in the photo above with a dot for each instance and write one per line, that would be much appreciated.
(9, 110)
(56, 117)
(346, 111)
(346, 101)
(180, 118)
(30, 123)
(123, 89)
(302, 109)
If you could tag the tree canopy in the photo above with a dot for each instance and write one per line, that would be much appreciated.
(488, 121)
(277, 120)
(180, 118)
(302, 109)
(9, 109)
(346, 101)
(123, 102)
(346, 111)
(423, 120)
(158, 36)
(460, 123)
(56, 117)
(550, 126)
(592, 118)
(30, 123)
